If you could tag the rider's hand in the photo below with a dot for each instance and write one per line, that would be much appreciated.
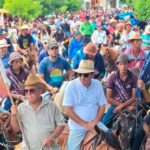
(118, 108)
(14, 110)
(54, 90)
(47, 142)
(90, 125)
(141, 85)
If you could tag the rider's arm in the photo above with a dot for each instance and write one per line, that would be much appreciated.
(72, 115)
(131, 100)
(146, 95)
(110, 99)
(41, 76)
(100, 113)
(14, 120)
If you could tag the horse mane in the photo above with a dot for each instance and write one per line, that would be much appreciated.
(112, 140)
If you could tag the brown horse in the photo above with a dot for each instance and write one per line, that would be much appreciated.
(95, 139)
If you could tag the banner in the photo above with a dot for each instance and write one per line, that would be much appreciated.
(3, 81)
(3, 91)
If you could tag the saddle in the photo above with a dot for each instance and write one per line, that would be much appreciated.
(91, 140)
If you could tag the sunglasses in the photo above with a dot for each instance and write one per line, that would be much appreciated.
(84, 74)
(31, 91)
(54, 48)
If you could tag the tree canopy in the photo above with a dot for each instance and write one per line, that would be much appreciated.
(56, 6)
(141, 8)
(25, 8)
(29, 9)
(1, 3)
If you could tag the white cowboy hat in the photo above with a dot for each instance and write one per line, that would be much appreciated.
(86, 66)
(3, 43)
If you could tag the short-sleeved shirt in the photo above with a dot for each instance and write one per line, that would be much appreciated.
(39, 124)
(122, 90)
(24, 41)
(134, 60)
(53, 71)
(84, 100)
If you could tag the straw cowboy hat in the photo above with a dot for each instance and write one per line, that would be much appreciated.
(134, 36)
(86, 66)
(25, 26)
(147, 29)
(33, 79)
(112, 21)
(3, 43)
(90, 49)
(15, 56)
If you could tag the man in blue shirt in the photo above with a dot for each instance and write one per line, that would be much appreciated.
(44, 53)
(75, 45)
(90, 52)
(52, 67)
(4, 54)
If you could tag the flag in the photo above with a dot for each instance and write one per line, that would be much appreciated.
(3, 81)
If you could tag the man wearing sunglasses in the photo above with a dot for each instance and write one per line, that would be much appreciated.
(41, 120)
(84, 103)
(52, 67)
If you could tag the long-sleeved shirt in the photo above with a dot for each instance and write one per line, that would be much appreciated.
(98, 63)
(74, 46)
(86, 28)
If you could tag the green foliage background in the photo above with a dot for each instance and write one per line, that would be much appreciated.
(29, 9)
(141, 8)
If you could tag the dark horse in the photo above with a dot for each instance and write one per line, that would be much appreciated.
(125, 125)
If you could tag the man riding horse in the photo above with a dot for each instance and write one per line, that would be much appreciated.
(84, 103)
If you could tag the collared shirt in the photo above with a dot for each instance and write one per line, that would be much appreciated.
(39, 124)
(86, 29)
(17, 80)
(84, 100)
(124, 86)
(134, 60)
(98, 63)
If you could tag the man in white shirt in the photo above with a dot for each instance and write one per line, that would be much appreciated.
(84, 103)
(99, 36)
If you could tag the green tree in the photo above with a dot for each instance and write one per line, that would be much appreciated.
(27, 9)
(1, 3)
(73, 5)
(142, 9)
(50, 6)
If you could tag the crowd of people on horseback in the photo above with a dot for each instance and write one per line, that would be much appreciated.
(76, 81)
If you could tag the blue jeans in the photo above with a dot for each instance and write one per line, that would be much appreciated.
(77, 135)
(108, 115)
(75, 138)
